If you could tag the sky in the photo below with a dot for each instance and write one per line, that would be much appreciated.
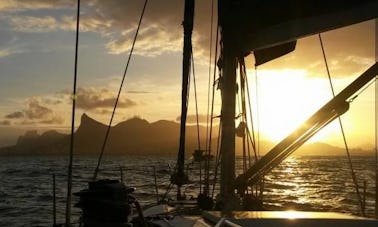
(37, 48)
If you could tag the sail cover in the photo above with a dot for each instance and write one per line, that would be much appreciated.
(270, 53)
(252, 25)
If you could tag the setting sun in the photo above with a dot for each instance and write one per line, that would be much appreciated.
(286, 98)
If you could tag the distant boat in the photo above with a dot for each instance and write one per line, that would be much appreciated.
(199, 156)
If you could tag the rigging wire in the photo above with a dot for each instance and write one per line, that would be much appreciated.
(69, 175)
(241, 106)
(361, 91)
(212, 109)
(215, 82)
(354, 178)
(197, 118)
(376, 146)
(252, 137)
(209, 77)
(376, 122)
(119, 92)
(257, 113)
(196, 102)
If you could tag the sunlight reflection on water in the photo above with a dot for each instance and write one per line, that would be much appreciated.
(300, 183)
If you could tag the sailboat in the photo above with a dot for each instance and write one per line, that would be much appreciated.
(267, 29)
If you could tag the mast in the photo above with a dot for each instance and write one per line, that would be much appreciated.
(228, 89)
(179, 178)
(72, 137)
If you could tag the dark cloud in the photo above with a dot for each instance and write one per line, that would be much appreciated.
(5, 123)
(54, 120)
(36, 112)
(192, 119)
(116, 21)
(161, 32)
(15, 115)
(93, 98)
(103, 111)
(138, 92)
(52, 101)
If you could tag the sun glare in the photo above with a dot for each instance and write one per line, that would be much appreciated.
(285, 99)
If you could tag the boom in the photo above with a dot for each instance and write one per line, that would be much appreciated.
(330, 111)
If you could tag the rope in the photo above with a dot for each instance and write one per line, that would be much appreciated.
(119, 92)
(69, 177)
(354, 178)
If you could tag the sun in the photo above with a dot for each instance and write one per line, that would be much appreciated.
(284, 99)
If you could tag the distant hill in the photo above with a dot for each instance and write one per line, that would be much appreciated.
(49, 142)
(135, 136)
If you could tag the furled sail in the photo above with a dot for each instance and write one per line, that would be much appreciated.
(270, 53)
(257, 24)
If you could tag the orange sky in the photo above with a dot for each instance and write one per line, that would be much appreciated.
(36, 67)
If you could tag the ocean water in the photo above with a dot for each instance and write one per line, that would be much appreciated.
(300, 183)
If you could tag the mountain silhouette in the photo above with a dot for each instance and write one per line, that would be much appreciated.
(133, 136)
(136, 136)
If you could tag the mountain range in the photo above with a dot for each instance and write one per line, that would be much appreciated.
(133, 136)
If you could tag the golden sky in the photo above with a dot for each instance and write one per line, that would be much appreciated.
(36, 68)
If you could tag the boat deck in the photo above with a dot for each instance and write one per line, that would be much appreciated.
(287, 218)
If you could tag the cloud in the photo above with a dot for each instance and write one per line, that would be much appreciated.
(152, 41)
(192, 118)
(103, 111)
(99, 98)
(19, 5)
(5, 122)
(35, 113)
(5, 52)
(161, 30)
(54, 120)
(33, 24)
(15, 115)
(116, 20)
(138, 92)
(52, 101)
(9, 51)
